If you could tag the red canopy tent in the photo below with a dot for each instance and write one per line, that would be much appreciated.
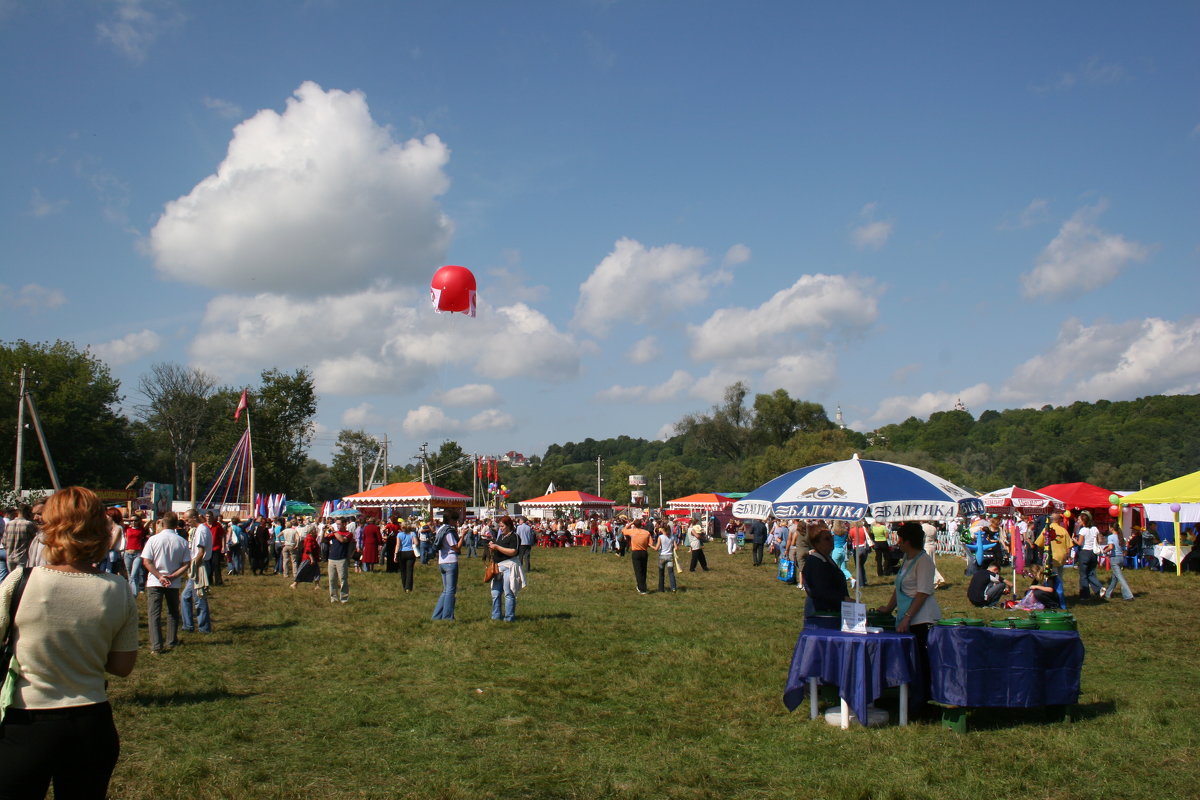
(1079, 495)
(409, 494)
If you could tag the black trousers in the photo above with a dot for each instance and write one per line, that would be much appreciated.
(406, 562)
(523, 555)
(881, 549)
(860, 558)
(640, 559)
(155, 597)
(74, 747)
(757, 552)
(698, 558)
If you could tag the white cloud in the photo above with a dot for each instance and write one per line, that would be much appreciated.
(872, 234)
(471, 395)
(429, 420)
(1037, 212)
(128, 348)
(635, 283)
(360, 416)
(895, 409)
(1113, 361)
(1081, 258)
(674, 386)
(39, 206)
(711, 387)
(738, 254)
(491, 419)
(1093, 72)
(665, 432)
(136, 24)
(317, 199)
(223, 108)
(32, 296)
(644, 350)
(802, 374)
(407, 344)
(813, 304)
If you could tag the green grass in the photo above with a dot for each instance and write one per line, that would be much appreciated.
(598, 692)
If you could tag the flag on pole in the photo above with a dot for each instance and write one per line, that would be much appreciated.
(241, 406)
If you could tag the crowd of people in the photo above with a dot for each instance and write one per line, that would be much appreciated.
(80, 568)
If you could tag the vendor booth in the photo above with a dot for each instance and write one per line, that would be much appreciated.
(574, 503)
(421, 497)
(1176, 501)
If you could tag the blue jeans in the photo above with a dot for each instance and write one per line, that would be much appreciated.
(1118, 576)
(235, 560)
(3, 563)
(136, 571)
(445, 604)
(1086, 562)
(202, 620)
(502, 586)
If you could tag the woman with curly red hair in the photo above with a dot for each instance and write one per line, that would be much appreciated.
(73, 624)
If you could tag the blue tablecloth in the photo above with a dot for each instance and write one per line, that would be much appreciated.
(862, 665)
(999, 667)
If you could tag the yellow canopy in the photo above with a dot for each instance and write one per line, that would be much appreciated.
(1178, 490)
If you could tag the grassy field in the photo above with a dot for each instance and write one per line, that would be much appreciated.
(597, 692)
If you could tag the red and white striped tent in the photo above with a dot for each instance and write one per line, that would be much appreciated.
(576, 501)
(1014, 499)
(409, 494)
(705, 501)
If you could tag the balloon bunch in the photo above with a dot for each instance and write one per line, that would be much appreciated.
(498, 488)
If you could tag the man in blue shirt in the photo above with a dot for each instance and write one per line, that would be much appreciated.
(525, 536)
(341, 545)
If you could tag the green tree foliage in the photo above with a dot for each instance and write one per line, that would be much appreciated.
(77, 401)
(450, 468)
(286, 408)
(281, 411)
(176, 409)
(352, 449)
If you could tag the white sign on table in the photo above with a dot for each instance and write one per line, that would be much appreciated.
(854, 617)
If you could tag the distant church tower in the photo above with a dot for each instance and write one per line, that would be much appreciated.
(958, 405)
(841, 421)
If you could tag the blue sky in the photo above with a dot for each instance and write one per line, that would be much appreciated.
(882, 206)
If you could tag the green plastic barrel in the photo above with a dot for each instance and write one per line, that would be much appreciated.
(950, 621)
(1062, 623)
(971, 622)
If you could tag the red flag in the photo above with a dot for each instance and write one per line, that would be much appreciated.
(242, 405)
(494, 475)
(478, 467)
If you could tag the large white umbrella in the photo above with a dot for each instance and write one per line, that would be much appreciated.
(855, 488)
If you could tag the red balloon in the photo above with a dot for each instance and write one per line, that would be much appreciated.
(1113, 511)
(453, 289)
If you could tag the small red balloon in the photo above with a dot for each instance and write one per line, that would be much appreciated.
(1113, 511)
(453, 289)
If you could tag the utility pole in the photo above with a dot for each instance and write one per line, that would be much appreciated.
(20, 433)
(660, 505)
(360, 472)
(386, 464)
(598, 494)
(424, 461)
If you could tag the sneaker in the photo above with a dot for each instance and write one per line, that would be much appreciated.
(1102, 592)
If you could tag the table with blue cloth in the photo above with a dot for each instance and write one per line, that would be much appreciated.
(1004, 668)
(861, 665)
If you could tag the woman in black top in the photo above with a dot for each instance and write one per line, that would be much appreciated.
(509, 580)
(824, 582)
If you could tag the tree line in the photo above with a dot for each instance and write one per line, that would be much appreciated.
(178, 415)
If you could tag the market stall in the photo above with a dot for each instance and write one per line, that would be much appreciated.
(420, 497)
